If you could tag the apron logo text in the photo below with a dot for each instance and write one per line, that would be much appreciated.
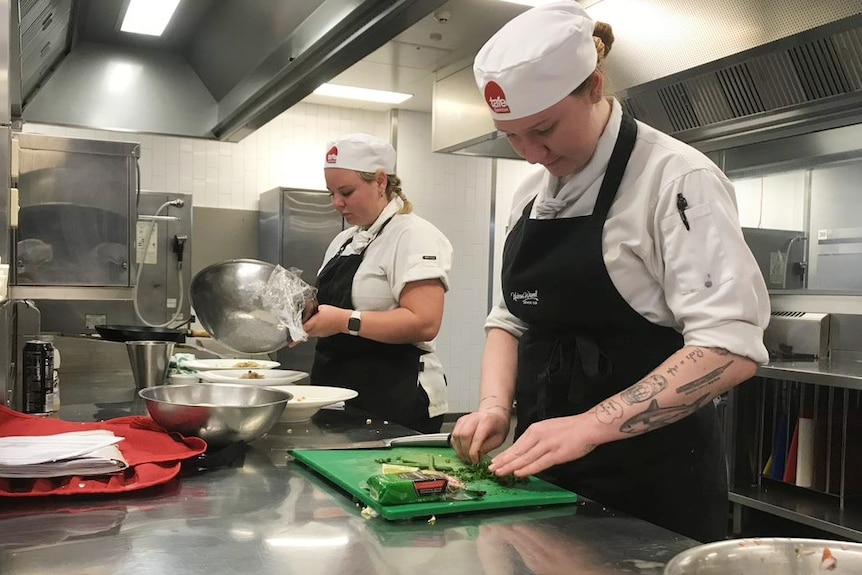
(526, 297)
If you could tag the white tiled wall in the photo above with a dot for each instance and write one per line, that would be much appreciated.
(284, 152)
(453, 192)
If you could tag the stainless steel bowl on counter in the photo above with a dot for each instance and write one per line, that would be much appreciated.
(769, 556)
(226, 301)
(219, 413)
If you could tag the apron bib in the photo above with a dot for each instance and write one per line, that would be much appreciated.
(584, 344)
(385, 375)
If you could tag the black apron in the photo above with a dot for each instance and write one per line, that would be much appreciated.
(386, 375)
(584, 344)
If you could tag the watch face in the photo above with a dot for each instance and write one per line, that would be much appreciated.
(353, 324)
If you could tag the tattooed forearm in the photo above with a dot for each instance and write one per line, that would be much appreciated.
(695, 354)
(655, 416)
(608, 411)
(718, 351)
(707, 379)
(645, 389)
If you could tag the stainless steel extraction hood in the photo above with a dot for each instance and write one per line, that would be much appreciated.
(714, 74)
(222, 69)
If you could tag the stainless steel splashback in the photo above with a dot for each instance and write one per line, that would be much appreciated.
(780, 254)
(163, 287)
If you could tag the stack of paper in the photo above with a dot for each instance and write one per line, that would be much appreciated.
(75, 453)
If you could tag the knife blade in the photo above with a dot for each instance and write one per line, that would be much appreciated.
(420, 440)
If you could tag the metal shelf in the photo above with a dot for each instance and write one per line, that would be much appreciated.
(831, 373)
(807, 508)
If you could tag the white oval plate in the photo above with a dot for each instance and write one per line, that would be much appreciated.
(209, 364)
(268, 377)
(308, 399)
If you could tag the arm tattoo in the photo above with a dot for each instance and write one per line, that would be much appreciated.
(707, 379)
(645, 389)
(695, 354)
(608, 411)
(718, 351)
(655, 416)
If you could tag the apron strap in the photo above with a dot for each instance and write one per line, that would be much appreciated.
(343, 247)
(616, 167)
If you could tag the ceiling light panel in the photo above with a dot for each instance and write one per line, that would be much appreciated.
(148, 17)
(365, 94)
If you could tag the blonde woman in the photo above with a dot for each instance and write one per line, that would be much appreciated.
(381, 291)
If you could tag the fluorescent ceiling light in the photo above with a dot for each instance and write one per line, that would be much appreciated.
(366, 94)
(148, 17)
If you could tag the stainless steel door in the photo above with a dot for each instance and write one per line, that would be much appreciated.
(296, 227)
(76, 217)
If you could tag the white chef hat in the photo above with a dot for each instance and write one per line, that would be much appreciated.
(536, 59)
(360, 152)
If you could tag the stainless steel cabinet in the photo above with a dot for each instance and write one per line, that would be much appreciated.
(77, 212)
(296, 226)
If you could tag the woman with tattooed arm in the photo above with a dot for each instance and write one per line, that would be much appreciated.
(629, 297)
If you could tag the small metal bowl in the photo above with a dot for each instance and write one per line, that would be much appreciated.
(226, 301)
(218, 413)
(769, 556)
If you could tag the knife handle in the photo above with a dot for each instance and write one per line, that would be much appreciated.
(425, 439)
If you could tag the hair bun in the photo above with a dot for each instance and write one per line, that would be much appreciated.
(604, 38)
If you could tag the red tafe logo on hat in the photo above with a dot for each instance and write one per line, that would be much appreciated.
(332, 155)
(496, 98)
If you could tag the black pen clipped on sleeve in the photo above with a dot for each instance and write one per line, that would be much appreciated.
(682, 206)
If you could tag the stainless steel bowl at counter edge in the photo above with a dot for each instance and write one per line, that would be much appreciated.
(218, 413)
(769, 556)
(223, 297)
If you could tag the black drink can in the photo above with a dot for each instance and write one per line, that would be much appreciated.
(38, 375)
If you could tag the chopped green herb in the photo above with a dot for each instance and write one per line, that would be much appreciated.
(479, 472)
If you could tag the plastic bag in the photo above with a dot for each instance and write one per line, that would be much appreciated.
(290, 299)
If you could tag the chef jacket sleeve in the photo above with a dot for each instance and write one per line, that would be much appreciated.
(500, 317)
(422, 253)
(712, 283)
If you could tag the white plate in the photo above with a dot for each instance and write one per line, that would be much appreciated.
(268, 377)
(308, 399)
(209, 364)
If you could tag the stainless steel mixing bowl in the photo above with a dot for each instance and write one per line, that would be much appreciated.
(219, 413)
(769, 556)
(226, 301)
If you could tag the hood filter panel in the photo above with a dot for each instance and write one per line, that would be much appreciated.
(791, 75)
(819, 70)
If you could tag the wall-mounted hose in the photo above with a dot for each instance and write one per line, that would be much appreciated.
(177, 203)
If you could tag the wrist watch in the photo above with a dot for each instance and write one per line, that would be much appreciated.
(354, 323)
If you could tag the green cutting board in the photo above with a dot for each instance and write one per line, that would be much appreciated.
(349, 469)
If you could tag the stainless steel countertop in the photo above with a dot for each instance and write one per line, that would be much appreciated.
(267, 513)
(842, 373)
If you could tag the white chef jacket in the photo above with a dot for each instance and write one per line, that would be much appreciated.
(703, 282)
(409, 249)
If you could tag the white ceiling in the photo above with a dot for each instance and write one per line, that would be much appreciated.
(431, 47)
